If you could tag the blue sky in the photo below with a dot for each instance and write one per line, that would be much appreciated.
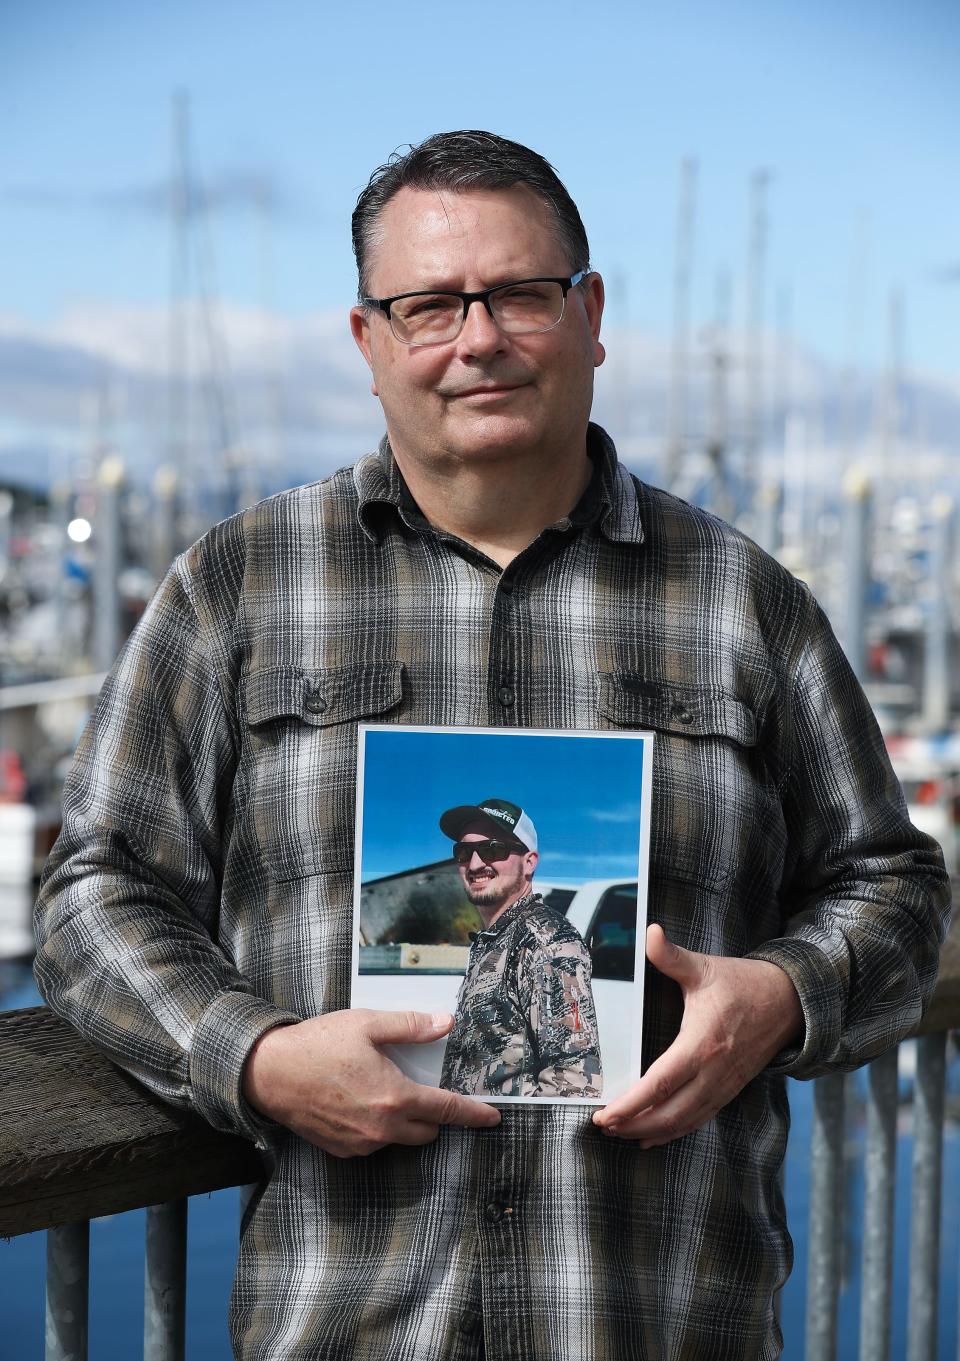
(582, 793)
(853, 107)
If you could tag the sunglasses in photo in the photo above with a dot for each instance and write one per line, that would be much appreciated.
(488, 851)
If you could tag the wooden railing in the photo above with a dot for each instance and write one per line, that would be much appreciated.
(79, 1138)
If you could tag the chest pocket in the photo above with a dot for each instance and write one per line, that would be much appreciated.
(710, 793)
(301, 728)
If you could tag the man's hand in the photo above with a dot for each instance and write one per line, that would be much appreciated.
(737, 1014)
(327, 1080)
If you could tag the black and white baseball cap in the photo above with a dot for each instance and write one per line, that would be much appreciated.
(499, 815)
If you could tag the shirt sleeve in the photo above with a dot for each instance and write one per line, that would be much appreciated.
(563, 1022)
(866, 896)
(126, 919)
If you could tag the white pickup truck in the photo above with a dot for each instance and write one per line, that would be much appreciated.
(427, 978)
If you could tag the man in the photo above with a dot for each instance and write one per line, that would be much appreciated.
(525, 1023)
(492, 564)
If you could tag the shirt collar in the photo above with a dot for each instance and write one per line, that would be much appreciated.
(611, 499)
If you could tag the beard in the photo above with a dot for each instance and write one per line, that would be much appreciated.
(496, 889)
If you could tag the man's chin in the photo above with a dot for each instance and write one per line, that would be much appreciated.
(483, 897)
(486, 895)
(491, 434)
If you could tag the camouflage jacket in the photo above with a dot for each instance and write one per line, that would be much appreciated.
(525, 1022)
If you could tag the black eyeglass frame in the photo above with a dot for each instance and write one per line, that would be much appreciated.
(468, 299)
(464, 851)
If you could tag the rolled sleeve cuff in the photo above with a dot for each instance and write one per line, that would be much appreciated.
(814, 976)
(225, 1034)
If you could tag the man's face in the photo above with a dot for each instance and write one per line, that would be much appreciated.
(497, 885)
(484, 395)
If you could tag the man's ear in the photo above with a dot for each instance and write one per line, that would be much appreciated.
(530, 861)
(360, 330)
(593, 299)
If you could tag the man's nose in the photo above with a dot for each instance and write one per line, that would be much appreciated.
(475, 855)
(481, 334)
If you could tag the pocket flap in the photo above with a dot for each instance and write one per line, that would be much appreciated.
(632, 701)
(324, 696)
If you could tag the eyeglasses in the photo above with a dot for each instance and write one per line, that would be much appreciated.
(488, 851)
(522, 308)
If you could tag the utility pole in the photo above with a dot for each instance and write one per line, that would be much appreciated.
(937, 672)
(178, 335)
(856, 547)
(890, 415)
(108, 562)
(272, 412)
(770, 495)
(164, 544)
(753, 341)
(682, 269)
(193, 303)
(718, 427)
(782, 389)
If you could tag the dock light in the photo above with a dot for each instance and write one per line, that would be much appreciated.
(79, 530)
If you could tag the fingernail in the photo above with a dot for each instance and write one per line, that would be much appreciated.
(441, 1019)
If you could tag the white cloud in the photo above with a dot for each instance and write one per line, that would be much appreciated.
(626, 813)
(298, 391)
(137, 337)
(586, 864)
(297, 394)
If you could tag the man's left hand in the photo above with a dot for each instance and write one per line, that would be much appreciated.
(737, 1015)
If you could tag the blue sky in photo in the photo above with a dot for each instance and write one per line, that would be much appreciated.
(582, 793)
(853, 108)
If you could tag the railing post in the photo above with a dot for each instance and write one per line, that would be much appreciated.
(878, 1203)
(68, 1279)
(826, 1218)
(928, 1110)
(165, 1282)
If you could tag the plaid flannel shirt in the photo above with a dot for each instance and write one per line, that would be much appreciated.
(201, 893)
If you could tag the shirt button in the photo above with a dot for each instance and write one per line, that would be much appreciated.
(506, 696)
(315, 704)
(682, 712)
(498, 1213)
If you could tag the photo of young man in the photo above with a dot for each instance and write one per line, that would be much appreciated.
(525, 1022)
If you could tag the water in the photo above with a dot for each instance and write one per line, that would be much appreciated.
(116, 1250)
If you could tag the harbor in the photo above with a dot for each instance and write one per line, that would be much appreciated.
(772, 204)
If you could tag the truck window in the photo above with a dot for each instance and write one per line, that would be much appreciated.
(613, 933)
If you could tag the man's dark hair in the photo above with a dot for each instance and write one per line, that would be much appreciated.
(461, 161)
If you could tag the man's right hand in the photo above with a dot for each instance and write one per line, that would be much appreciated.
(327, 1080)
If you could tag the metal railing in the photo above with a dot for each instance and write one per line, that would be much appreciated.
(128, 1149)
(827, 1208)
(164, 1282)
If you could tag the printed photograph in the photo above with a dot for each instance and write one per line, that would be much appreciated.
(501, 876)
